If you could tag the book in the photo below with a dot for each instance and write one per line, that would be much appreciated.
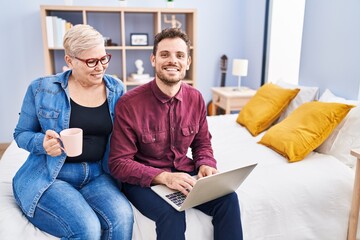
(56, 28)
(50, 31)
(60, 28)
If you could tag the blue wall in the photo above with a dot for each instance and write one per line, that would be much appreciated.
(221, 30)
(331, 46)
(231, 27)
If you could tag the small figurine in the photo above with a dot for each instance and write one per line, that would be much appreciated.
(139, 66)
(139, 76)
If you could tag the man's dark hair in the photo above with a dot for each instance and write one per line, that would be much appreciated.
(171, 33)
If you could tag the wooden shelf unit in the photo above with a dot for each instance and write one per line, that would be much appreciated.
(118, 23)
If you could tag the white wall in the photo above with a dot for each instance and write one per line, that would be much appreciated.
(286, 20)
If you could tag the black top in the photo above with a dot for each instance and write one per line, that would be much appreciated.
(97, 126)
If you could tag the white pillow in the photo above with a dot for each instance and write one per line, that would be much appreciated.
(346, 135)
(306, 94)
(328, 96)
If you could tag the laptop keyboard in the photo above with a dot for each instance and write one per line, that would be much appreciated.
(176, 197)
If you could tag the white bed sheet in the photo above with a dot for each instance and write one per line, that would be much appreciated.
(309, 199)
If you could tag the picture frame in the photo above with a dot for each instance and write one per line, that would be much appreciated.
(139, 39)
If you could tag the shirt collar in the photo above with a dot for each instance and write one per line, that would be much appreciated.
(63, 78)
(162, 97)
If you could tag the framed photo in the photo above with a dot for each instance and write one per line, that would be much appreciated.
(139, 39)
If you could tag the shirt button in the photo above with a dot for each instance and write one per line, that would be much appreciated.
(153, 139)
(192, 131)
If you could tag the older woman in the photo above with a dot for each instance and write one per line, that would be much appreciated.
(72, 197)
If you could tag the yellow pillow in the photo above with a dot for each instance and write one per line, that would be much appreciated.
(304, 129)
(265, 107)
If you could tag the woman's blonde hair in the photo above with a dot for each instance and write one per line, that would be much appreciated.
(80, 38)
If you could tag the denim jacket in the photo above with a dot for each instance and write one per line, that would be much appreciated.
(46, 106)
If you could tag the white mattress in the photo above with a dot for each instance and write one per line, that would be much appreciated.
(309, 199)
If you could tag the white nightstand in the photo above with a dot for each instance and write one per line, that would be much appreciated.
(230, 99)
(355, 204)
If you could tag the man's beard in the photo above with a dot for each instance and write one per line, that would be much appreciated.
(167, 81)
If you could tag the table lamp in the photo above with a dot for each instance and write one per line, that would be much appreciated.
(240, 67)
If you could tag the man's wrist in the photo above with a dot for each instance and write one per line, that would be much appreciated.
(160, 178)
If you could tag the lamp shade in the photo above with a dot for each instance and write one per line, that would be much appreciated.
(240, 67)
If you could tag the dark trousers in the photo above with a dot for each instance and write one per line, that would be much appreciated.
(170, 224)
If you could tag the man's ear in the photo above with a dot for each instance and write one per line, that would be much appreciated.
(152, 60)
(188, 63)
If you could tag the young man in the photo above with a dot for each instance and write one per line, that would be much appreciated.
(154, 126)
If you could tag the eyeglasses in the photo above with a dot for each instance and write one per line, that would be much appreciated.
(93, 62)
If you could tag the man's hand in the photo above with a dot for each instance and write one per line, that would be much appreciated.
(206, 171)
(182, 182)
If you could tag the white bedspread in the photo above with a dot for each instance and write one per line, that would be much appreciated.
(309, 199)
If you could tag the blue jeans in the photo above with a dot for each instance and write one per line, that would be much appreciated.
(84, 203)
(171, 224)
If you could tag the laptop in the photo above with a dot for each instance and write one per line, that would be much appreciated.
(205, 189)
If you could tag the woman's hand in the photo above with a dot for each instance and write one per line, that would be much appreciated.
(52, 144)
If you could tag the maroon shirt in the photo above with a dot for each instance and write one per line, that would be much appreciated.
(152, 133)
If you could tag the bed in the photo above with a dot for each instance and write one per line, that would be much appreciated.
(280, 200)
